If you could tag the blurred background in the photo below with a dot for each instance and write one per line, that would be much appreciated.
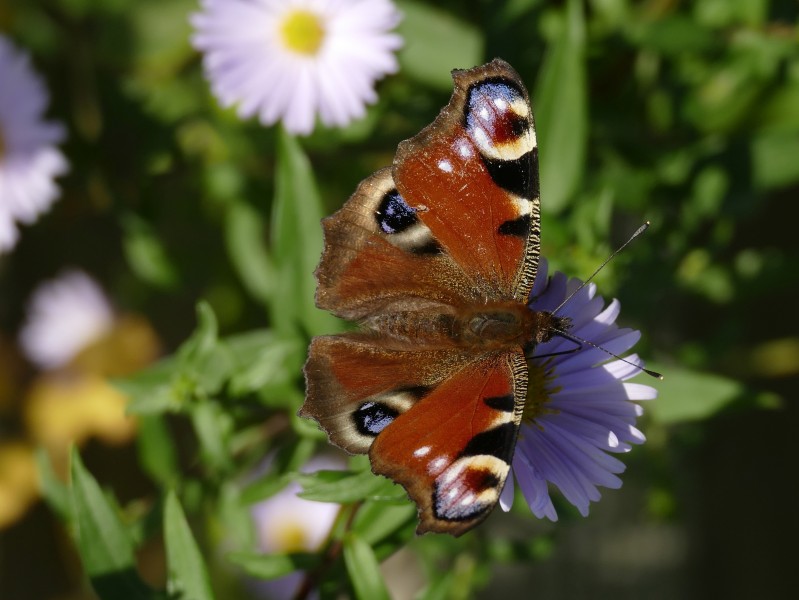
(685, 114)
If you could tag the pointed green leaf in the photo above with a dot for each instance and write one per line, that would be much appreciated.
(363, 569)
(375, 521)
(146, 254)
(156, 450)
(213, 426)
(54, 491)
(297, 242)
(265, 359)
(436, 42)
(105, 547)
(331, 486)
(188, 577)
(561, 113)
(244, 234)
(150, 391)
(686, 395)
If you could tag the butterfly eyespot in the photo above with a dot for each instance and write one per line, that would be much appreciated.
(373, 417)
(394, 215)
(498, 120)
(468, 488)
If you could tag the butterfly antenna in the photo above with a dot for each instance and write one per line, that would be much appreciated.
(578, 340)
(638, 232)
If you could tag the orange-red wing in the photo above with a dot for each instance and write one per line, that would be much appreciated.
(452, 449)
(472, 175)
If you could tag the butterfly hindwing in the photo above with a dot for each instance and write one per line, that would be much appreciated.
(441, 424)
(356, 384)
(452, 450)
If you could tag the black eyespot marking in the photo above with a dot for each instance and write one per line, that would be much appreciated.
(519, 176)
(417, 391)
(519, 227)
(495, 442)
(431, 248)
(373, 417)
(394, 215)
(501, 403)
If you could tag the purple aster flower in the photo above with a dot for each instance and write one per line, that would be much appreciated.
(29, 159)
(579, 407)
(292, 59)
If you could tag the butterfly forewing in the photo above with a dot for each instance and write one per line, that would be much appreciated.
(472, 177)
(435, 259)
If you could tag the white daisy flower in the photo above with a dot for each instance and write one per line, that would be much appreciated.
(579, 407)
(286, 523)
(292, 59)
(65, 316)
(29, 159)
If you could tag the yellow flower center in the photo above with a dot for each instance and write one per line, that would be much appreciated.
(539, 391)
(290, 536)
(303, 32)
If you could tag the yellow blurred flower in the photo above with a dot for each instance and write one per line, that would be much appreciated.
(19, 485)
(78, 342)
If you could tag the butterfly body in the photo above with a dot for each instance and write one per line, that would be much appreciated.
(435, 258)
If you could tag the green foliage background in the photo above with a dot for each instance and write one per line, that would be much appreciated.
(682, 113)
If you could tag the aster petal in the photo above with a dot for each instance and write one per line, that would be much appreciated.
(250, 65)
(30, 161)
(506, 496)
(65, 315)
(585, 412)
(534, 488)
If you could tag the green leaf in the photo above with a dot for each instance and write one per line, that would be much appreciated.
(156, 450)
(363, 569)
(54, 491)
(272, 566)
(297, 242)
(206, 362)
(213, 426)
(104, 545)
(686, 395)
(342, 487)
(774, 162)
(283, 471)
(435, 43)
(188, 577)
(151, 390)
(376, 521)
(561, 113)
(265, 359)
(244, 236)
(146, 255)
(195, 351)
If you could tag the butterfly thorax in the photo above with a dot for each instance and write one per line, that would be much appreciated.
(493, 326)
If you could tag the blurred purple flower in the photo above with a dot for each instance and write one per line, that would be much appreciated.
(29, 159)
(292, 59)
(286, 523)
(65, 315)
(579, 407)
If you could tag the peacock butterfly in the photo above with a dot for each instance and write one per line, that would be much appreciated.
(434, 258)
